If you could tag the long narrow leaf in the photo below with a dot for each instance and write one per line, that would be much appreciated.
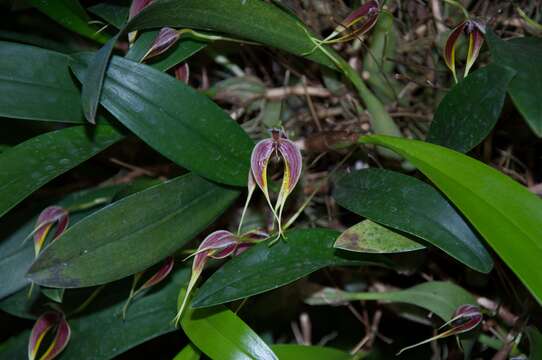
(221, 335)
(29, 92)
(126, 238)
(506, 214)
(71, 15)
(29, 165)
(174, 119)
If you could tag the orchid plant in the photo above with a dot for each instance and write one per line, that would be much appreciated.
(221, 244)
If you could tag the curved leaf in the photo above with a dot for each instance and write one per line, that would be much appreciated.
(189, 352)
(174, 119)
(369, 237)
(253, 20)
(28, 166)
(267, 267)
(35, 94)
(221, 335)
(302, 352)
(523, 55)
(71, 15)
(114, 14)
(126, 237)
(506, 214)
(468, 113)
(412, 206)
(440, 297)
(99, 333)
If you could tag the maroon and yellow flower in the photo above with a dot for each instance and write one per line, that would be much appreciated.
(280, 146)
(466, 318)
(475, 31)
(359, 22)
(47, 218)
(51, 320)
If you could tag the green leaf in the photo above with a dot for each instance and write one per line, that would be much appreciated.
(468, 113)
(253, 20)
(535, 343)
(524, 56)
(100, 333)
(16, 256)
(189, 352)
(369, 237)
(132, 234)
(114, 14)
(182, 50)
(28, 166)
(92, 82)
(506, 214)
(221, 335)
(439, 297)
(71, 15)
(302, 352)
(406, 204)
(175, 120)
(267, 267)
(35, 94)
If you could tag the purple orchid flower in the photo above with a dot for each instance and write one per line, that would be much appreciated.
(280, 146)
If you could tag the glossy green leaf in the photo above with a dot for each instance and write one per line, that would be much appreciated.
(267, 267)
(175, 120)
(189, 352)
(302, 352)
(251, 20)
(16, 255)
(28, 166)
(535, 343)
(524, 55)
(468, 113)
(221, 335)
(439, 297)
(254, 20)
(36, 94)
(126, 237)
(93, 80)
(506, 214)
(71, 15)
(114, 14)
(369, 237)
(406, 204)
(100, 333)
(181, 51)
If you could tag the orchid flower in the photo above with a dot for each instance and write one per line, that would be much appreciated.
(49, 320)
(358, 23)
(166, 38)
(46, 219)
(465, 318)
(475, 31)
(278, 145)
(160, 275)
(217, 245)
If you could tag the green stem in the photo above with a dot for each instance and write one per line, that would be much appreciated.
(84, 305)
(381, 121)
